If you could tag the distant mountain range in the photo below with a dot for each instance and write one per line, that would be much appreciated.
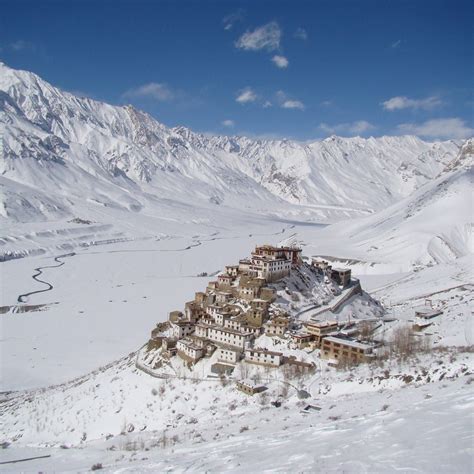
(64, 155)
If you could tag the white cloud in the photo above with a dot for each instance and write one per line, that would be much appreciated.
(228, 123)
(152, 90)
(246, 95)
(357, 127)
(402, 102)
(267, 104)
(293, 104)
(280, 61)
(264, 37)
(396, 44)
(443, 128)
(286, 103)
(233, 18)
(301, 33)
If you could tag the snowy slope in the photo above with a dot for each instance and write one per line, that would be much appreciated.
(432, 225)
(64, 155)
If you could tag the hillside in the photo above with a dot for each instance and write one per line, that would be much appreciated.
(433, 225)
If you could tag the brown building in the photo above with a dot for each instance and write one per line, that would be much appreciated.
(168, 346)
(224, 281)
(200, 298)
(277, 326)
(321, 265)
(338, 348)
(232, 270)
(175, 316)
(249, 288)
(192, 311)
(321, 329)
(223, 297)
(342, 276)
(249, 387)
(212, 286)
(244, 266)
(258, 312)
(268, 294)
(301, 339)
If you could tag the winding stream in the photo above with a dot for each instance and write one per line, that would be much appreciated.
(39, 271)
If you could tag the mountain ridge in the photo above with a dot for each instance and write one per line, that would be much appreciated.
(119, 156)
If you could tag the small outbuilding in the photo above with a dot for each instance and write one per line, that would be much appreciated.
(250, 388)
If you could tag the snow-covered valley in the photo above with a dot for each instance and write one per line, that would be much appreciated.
(122, 220)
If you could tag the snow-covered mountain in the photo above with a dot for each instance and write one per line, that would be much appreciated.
(64, 155)
(432, 225)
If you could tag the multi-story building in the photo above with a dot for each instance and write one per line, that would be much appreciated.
(249, 288)
(263, 357)
(301, 339)
(244, 265)
(232, 270)
(228, 354)
(237, 323)
(273, 263)
(200, 298)
(321, 265)
(224, 280)
(192, 311)
(229, 337)
(180, 329)
(202, 328)
(342, 276)
(189, 351)
(221, 317)
(320, 329)
(339, 348)
(223, 297)
(277, 326)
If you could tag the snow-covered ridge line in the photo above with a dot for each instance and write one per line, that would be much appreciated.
(62, 151)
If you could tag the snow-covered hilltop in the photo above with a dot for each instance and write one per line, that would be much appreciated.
(63, 155)
(264, 311)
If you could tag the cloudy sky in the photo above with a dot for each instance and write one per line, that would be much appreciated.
(296, 69)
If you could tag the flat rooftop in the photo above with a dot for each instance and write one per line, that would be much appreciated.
(348, 342)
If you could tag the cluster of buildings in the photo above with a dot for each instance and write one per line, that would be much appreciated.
(231, 313)
(236, 309)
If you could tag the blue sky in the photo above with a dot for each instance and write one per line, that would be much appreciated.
(295, 69)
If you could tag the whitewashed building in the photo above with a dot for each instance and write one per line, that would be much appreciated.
(229, 354)
(221, 317)
(273, 263)
(188, 351)
(180, 329)
(228, 336)
(264, 357)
